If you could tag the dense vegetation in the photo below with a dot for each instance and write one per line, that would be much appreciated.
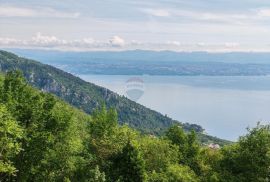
(87, 97)
(44, 139)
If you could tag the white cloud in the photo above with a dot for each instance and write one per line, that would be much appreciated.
(265, 12)
(117, 41)
(52, 42)
(157, 12)
(135, 42)
(245, 17)
(231, 44)
(40, 41)
(14, 11)
(43, 40)
(88, 41)
(9, 11)
(174, 43)
(202, 44)
(7, 41)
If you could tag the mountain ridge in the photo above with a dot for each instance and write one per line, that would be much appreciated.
(88, 96)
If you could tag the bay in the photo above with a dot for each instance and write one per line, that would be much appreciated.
(224, 105)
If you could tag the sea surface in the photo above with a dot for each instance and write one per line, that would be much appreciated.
(223, 105)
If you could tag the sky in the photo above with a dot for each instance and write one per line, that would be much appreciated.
(177, 25)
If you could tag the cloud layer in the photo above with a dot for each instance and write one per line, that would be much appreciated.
(52, 42)
(251, 16)
(227, 25)
(40, 41)
(37, 12)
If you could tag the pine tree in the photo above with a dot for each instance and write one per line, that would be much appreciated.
(128, 165)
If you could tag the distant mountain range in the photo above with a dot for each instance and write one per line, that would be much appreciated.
(87, 96)
(139, 62)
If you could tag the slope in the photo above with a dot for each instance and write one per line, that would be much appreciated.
(87, 96)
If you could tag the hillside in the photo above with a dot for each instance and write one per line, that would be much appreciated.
(44, 139)
(87, 96)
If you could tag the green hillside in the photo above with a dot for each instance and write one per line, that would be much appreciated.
(87, 96)
(42, 138)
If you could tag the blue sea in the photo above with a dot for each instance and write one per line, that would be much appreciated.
(223, 105)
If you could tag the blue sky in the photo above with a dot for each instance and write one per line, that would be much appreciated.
(180, 25)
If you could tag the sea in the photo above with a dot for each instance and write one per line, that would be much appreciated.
(225, 106)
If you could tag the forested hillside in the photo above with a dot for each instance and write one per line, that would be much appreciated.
(44, 139)
(87, 96)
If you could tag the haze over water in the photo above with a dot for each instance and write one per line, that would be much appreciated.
(223, 105)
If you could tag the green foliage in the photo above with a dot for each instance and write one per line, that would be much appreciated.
(97, 176)
(209, 164)
(181, 173)
(52, 144)
(191, 157)
(106, 137)
(249, 159)
(174, 173)
(177, 136)
(103, 122)
(44, 139)
(188, 146)
(128, 165)
(158, 153)
(10, 135)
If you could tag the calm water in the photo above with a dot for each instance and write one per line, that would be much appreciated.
(224, 106)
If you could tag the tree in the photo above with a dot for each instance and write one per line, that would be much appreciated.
(180, 173)
(128, 165)
(32, 110)
(174, 173)
(158, 153)
(103, 122)
(51, 143)
(192, 153)
(188, 146)
(249, 159)
(210, 164)
(101, 129)
(10, 135)
(178, 137)
(97, 176)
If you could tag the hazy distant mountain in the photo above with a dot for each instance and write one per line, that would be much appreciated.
(141, 62)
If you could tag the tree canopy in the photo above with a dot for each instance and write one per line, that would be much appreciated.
(42, 138)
